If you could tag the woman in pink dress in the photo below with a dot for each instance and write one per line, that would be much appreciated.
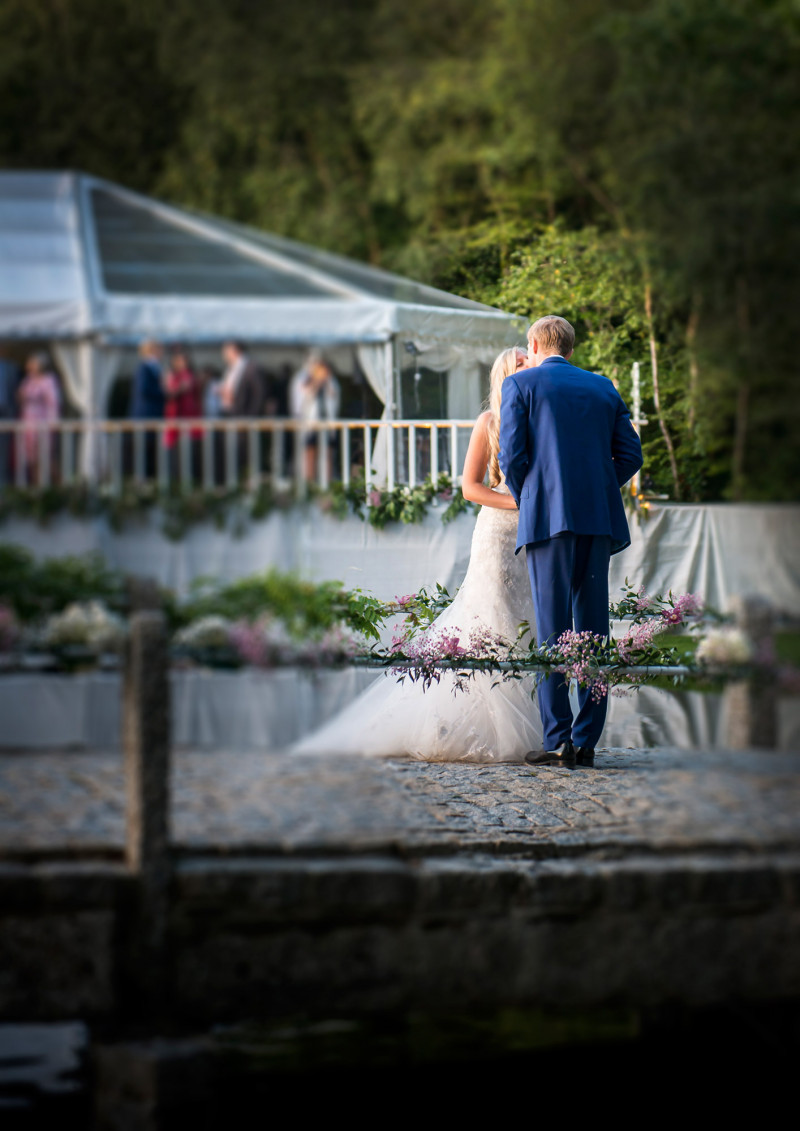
(40, 404)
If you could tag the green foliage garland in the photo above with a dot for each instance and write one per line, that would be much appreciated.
(232, 509)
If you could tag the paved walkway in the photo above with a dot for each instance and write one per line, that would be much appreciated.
(653, 800)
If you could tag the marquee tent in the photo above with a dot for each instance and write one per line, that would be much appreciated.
(93, 269)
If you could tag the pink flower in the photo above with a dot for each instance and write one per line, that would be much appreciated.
(374, 497)
(399, 640)
(577, 651)
(690, 604)
(250, 644)
(407, 600)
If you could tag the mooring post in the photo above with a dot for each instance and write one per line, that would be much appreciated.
(146, 750)
(751, 705)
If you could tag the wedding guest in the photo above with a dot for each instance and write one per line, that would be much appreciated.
(181, 396)
(210, 385)
(9, 383)
(314, 395)
(147, 402)
(243, 393)
(40, 404)
(182, 401)
(148, 393)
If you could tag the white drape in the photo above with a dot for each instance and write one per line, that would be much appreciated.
(376, 365)
(88, 372)
(372, 359)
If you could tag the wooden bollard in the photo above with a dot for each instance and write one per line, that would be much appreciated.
(751, 706)
(146, 752)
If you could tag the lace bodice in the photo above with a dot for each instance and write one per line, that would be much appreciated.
(496, 589)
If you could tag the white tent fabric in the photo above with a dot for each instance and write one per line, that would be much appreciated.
(267, 711)
(84, 261)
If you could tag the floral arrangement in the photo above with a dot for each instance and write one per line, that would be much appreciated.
(401, 504)
(591, 661)
(231, 508)
(206, 632)
(88, 625)
(427, 652)
(265, 642)
(724, 647)
(73, 610)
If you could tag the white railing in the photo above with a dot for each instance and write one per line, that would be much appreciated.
(207, 454)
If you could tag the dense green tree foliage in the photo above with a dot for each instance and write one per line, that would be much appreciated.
(631, 164)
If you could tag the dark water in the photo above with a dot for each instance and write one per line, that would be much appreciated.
(411, 1066)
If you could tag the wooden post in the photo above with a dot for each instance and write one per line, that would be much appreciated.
(146, 752)
(751, 706)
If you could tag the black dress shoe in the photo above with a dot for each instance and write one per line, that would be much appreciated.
(563, 756)
(584, 756)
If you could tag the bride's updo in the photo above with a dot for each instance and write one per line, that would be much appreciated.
(504, 364)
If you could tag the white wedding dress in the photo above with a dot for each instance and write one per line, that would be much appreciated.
(489, 721)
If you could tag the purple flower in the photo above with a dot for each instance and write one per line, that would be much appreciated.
(575, 653)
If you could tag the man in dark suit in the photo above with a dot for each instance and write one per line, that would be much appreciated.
(567, 445)
(147, 401)
(243, 392)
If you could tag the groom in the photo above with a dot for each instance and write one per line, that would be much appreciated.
(567, 445)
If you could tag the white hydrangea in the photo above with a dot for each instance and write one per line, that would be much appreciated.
(87, 623)
(206, 632)
(723, 647)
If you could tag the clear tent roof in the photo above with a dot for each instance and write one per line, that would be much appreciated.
(145, 248)
(80, 257)
(141, 252)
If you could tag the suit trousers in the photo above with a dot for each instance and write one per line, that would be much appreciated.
(569, 583)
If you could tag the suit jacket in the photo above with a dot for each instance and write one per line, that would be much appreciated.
(148, 396)
(250, 395)
(567, 445)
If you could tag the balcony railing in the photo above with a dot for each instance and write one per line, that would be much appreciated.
(243, 453)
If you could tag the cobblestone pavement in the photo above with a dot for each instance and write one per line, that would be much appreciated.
(659, 799)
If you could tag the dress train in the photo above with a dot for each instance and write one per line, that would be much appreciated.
(489, 721)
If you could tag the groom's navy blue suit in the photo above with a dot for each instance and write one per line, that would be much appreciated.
(567, 445)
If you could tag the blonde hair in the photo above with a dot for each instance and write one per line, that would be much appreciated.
(504, 364)
(553, 333)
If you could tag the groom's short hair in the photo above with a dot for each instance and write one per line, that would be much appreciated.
(553, 333)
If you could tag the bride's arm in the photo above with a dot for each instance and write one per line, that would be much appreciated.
(475, 465)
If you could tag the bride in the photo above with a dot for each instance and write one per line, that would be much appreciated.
(489, 721)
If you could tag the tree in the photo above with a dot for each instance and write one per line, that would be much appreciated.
(81, 88)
